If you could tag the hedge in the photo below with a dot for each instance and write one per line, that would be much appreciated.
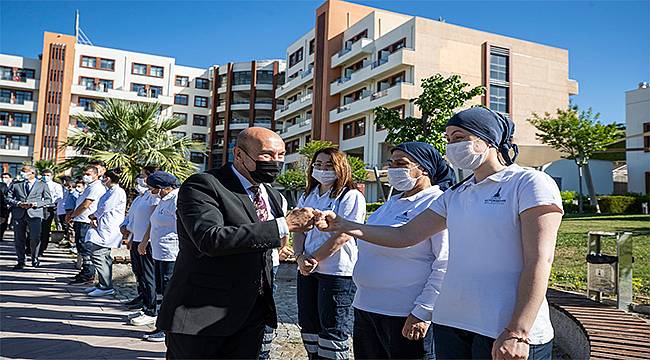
(621, 204)
(371, 207)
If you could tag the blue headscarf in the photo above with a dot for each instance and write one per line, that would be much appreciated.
(494, 128)
(431, 161)
(162, 180)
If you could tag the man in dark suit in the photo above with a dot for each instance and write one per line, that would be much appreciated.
(27, 199)
(4, 207)
(220, 296)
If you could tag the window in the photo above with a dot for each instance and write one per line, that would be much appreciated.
(199, 137)
(499, 98)
(265, 77)
(23, 118)
(383, 53)
(14, 119)
(646, 137)
(221, 119)
(312, 46)
(155, 91)
(200, 120)
(196, 157)
(200, 83)
(357, 95)
(179, 134)
(357, 37)
(22, 96)
(139, 69)
(13, 142)
(295, 58)
(201, 101)
(180, 99)
(88, 83)
(107, 64)
(156, 71)
(391, 81)
(498, 67)
(105, 84)
(89, 62)
(222, 80)
(182, 81)
(181, 116)
(241, 78)
(354, 129)
(141, 89)
(89, 104)
(292, 146)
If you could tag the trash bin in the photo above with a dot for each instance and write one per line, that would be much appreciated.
(610, 274)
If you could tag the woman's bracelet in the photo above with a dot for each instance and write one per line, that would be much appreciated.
(513, 336)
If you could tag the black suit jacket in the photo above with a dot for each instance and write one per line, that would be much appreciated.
(4, 206)
(224, 249)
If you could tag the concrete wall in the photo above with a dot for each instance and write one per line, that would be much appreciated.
(637, 112)
(567, 171)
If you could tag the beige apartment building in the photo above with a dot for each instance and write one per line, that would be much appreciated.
(358, 58)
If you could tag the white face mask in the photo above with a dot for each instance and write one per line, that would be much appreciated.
(141, 189)
(462, 155)
(401, 179)
(141, 182)
(325, 177)
(47, 178)
(23, 175)
(7, 181)
(87, 179)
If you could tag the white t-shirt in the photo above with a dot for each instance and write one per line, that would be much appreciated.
(485, 251)
(163, 234)
(351, 206)
(110, 214)
(399, 282)
(137, 220)
(93, 191)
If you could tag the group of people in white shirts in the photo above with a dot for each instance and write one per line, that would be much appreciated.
(441, 270)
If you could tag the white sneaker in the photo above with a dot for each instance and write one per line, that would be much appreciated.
(100, 292)
(73, 250)
(135, 314)
(90, 289)
(143, 320)
(156, 337)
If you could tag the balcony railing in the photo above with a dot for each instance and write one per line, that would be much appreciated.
(306, 73)
(7, 100)
(239, 121)
(10, 77)
(11, 146)
(348, 47)
(12, 123)
(93, 87)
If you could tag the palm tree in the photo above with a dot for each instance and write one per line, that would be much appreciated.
(129, 136)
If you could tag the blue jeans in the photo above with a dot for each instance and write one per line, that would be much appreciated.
(325, 314)
(87, 268)
(453, 343)
(165, 272)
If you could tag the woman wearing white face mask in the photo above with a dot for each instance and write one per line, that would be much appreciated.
(397, 288)
(325, 286)
(502, 224)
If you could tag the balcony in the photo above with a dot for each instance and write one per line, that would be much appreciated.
(17, 104)
(403, 57)
(222, 89)
(242, 105)
(221, 108)
(400, 91)
(10, 127)
(355, 51)
(304, 76)
(80, 110)
(301, 126)
(290, 109)
(19, 82)
(13, 149)
(121, 94)
(262, 123)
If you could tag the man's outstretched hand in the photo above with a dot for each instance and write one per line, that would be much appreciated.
(328, 221)
(301, 220)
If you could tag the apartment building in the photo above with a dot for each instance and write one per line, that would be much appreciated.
(637, 139)
(19, 84)
(358, 58)
(243, 97)
(34, 124)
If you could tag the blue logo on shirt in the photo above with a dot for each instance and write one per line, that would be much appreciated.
(496, 199)
(403, 216)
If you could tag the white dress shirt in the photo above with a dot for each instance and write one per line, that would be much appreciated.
(110, 214)
(94, 191)
(163, 233)
(283, 227)
(56, 192)
(138, 217)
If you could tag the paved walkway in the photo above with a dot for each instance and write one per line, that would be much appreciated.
(43, 317)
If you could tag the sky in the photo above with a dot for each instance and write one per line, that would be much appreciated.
(608, 41)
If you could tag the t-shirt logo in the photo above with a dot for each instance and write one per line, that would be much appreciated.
(403, 216)
(496, 199)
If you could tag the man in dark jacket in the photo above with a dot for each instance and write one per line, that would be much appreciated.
(220, 296)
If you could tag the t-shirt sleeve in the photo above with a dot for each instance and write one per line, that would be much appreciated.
(439, 205)
(353, 207)
(536, 189)
(95, 193)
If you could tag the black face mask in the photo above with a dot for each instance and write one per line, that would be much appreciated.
(265, 171)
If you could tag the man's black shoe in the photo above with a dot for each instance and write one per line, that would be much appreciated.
(36, 264)
(19, 266)
(135, 301)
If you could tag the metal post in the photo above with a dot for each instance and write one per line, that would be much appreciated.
(580, 205)
(625, 260)
(381, 188)
(593, 247)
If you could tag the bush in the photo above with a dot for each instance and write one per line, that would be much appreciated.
(620, 204)
(372, 207)
(571, 208)
(292, 179)
(568, 196)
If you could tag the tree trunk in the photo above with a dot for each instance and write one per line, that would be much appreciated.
(593, 200)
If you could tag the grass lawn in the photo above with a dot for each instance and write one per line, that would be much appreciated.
(570, 269)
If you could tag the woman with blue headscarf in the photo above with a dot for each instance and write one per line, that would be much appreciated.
(502, 223)
(396, 288)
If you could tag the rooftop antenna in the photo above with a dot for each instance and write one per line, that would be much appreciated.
(79, 34)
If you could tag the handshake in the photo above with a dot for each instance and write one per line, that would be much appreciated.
(305, 219)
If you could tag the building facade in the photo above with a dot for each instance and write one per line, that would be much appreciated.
(358, 58)
(637, 146)
(243, 97)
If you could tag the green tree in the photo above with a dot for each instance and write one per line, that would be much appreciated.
(129, 136)
(577, 134)
(440, 97)
(41, 165)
